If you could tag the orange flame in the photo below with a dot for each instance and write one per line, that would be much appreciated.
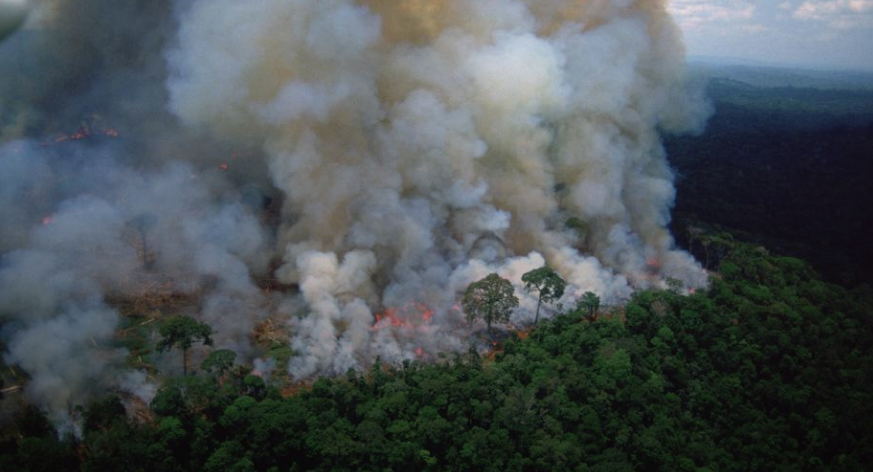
(82, 133)
(410, 316)
(426, 313)
(391, 315)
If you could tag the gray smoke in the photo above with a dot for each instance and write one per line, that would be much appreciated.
(415, 145)
(403, 133)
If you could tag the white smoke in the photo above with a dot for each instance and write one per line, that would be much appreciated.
(415, 145)
(61, 332)
(57, 325)
(414, 130)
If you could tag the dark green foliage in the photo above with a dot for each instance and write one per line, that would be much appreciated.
(182, 332)
(103, 414)
(47, 454)
(35, 446)
(768, 369)
(547, 283)
(590, 302)
(219, 362)
(491, 299)
(791, 167)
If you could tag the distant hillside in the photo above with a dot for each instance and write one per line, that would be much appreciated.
(768, 76)
(789, 107)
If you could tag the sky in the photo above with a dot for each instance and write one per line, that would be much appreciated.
(818, 33)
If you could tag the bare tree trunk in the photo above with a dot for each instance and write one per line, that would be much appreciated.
(145, 251)
(539, 302)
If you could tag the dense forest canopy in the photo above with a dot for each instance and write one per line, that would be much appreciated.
(321, 180)
(769, 368)
(787, 167)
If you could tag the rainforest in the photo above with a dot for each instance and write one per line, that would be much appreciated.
(398, 235)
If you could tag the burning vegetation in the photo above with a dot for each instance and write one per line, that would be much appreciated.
(321, 181)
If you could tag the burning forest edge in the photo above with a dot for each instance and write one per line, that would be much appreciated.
(320, 182)
(628, 390)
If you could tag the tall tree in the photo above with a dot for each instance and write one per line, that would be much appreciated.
(491, 299)
(182, 332)
(547, 283)
(591, 302)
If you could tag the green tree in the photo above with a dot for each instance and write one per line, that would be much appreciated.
(491, 299)
(547, 283)
(182, 332)
(219, 362)
(591, 302)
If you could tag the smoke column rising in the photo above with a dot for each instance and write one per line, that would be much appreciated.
(404, 133)
(416, 146)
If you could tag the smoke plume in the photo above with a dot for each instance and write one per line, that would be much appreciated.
(377, 156)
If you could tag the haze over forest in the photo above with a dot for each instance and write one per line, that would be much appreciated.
(495, 235)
